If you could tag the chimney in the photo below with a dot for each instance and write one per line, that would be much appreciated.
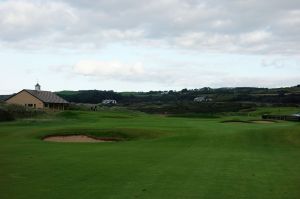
(38, 87)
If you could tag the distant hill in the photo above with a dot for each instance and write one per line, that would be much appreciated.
(287, 95)
(4, 97)
(88, 96)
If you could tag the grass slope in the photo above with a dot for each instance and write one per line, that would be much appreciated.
(184, 158)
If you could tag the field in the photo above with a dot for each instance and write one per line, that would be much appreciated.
(159, 157)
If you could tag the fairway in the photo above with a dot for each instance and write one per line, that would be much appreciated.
(157, 157)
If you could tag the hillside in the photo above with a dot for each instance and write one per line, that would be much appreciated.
(286, 95)
(4, 97)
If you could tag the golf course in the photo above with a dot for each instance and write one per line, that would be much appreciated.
(138, 155)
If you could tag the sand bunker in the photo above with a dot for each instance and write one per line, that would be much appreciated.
(263, 122)
(77, 138)
(236, 122)
(251, 121)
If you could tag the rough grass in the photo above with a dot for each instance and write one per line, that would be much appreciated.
(168, 158)
(275, 111)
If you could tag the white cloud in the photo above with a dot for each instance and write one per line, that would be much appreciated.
(255, 37)
(220, 23)
(291, 18)
(203, 40)
(180, 76)
(137, 72)
(258, 81)
(252, 42)
(275, 63)
(108, 69)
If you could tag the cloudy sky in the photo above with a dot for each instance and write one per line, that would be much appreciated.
(135, 45)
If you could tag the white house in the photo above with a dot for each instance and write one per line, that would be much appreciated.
(202, 99)
(297, 115)
(109, 101)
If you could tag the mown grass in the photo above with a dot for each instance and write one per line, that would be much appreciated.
(164, 157)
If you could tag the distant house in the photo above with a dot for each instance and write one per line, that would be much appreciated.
(202, 99)
(296, 115)
(109, 101)
(38, 99)
(165, 92)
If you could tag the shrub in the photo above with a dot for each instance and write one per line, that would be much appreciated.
(183, 108)
(18, 111)
(5, 116)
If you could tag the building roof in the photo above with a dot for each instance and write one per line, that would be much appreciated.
(44, 96)
(47, 96)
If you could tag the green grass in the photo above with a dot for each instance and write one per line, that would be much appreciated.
(164, 157)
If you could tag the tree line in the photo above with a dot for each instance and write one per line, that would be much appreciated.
(289, 95)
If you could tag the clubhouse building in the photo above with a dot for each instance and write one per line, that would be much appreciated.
(38, 99)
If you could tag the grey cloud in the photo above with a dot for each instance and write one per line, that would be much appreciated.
(243, 26)
(21, 20)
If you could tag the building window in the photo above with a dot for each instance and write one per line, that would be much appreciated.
(30, 105)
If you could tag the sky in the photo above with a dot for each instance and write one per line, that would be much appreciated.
(139, 45)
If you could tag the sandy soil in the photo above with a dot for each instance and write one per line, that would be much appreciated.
(74, 138)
